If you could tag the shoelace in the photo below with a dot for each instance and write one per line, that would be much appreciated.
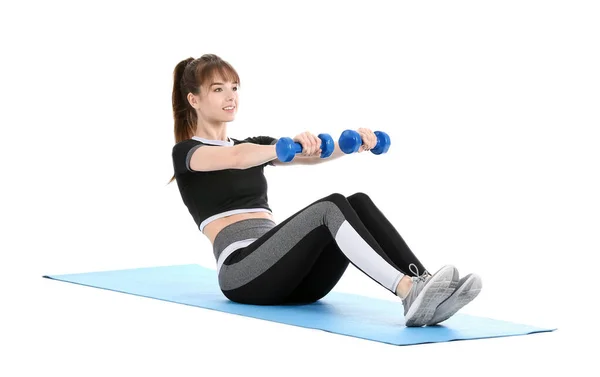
(422, 277)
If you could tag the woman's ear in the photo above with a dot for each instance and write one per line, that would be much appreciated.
(193, 100)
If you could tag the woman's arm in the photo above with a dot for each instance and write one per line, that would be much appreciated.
(249, 155)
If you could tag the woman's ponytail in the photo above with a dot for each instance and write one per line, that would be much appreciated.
(184, 115)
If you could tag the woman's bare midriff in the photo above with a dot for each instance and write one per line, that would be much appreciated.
(214, 227)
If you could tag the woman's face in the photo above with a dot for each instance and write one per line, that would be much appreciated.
(218, 100)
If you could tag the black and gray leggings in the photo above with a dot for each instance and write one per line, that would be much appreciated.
(301, 259)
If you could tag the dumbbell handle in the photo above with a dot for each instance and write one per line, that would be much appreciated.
(298, 147)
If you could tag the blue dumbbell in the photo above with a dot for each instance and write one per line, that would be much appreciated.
(350, 141)
(287, 148)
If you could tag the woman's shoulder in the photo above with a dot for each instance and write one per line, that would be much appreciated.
(186, 142)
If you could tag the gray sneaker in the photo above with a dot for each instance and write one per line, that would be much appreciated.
(468, 288)
(426, 293)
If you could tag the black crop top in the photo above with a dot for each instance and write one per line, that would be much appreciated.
(209, 195)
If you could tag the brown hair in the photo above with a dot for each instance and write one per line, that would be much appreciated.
(189, 75)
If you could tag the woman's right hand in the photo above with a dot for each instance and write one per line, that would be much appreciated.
(311, 144)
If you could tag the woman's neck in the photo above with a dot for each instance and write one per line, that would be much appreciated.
(214, 134)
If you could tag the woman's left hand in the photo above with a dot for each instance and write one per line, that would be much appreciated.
(369, 139)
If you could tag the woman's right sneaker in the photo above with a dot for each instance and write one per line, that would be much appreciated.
(426, 293)
(468, 288)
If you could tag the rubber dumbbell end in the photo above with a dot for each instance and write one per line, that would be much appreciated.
(349, 141)
(327, 145)
(286, 149)
(383, 143)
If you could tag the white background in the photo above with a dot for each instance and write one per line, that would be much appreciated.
(492, 109)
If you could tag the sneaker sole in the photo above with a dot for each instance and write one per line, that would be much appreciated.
(463, 295)
(434, 292)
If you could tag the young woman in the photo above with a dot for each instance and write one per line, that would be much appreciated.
(300, 260)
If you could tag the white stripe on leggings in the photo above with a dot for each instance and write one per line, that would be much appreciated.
(231, 248)
(360, 253)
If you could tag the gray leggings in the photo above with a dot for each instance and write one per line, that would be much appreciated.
(301, 259)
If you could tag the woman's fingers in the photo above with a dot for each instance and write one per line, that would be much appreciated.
(317, 144)
(306, 145)
(369, 139)
(364, 139)
(311, 144)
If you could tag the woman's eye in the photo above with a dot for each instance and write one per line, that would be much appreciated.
(235, 87)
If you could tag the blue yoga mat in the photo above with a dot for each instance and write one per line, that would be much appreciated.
(341, 313)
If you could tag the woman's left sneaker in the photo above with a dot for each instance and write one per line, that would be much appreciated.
(426, 293)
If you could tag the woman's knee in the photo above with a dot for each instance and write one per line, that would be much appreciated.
(339, 199)
(335, 197)
(359, 196)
